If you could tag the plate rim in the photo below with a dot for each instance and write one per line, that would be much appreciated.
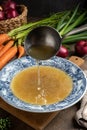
(51, 104)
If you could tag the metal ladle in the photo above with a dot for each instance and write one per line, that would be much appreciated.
(44, 42)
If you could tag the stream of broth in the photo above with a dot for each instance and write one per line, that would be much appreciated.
(38, 74)
(41, 85)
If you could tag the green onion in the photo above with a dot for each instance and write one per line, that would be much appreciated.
(51, 21)
(75, 37)
(77, 22)
(5, 123)
(72, 17)
(63, 22)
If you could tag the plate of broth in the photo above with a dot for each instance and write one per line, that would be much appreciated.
(44, 86)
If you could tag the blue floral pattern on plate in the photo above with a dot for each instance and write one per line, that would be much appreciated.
(78, 77)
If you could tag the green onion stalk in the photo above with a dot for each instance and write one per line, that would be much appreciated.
(63, 22)
(75, 37)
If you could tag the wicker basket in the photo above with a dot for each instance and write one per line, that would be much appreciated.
(9, 24)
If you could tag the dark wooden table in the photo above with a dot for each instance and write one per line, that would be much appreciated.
(64, 120)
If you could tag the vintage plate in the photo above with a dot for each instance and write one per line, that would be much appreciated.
(7, 73)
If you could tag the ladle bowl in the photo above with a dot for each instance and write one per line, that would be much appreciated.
(42, 43)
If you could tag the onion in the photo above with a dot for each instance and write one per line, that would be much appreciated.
(11, 13)
(63, 52)
(1, 8)
(81, 48)
(12, 5)
(9, 4)
(2, 15)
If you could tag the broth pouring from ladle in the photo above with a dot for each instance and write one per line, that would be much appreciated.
(42, 43)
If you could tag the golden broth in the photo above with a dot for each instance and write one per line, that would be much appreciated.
(55, 85)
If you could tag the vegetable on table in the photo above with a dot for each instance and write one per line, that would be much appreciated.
(2, 15)
(63, 52)
(73, 21)
(23, 30)
(4, 38)
(81, 48)
(21, 49)
(8, 10)
(6, 57)
(1, 46)
(62, 32)
(63, 22)
(75, 37)
(5, 123)
(9, 49)
(9, 4)
(11, 13)
(6, 47)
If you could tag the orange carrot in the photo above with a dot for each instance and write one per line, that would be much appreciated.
(21, 51)
(6, 57)
(1, 46)
(3, 38)
(6, 47)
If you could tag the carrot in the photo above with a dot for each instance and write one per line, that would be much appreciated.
(21, 51)
(3, 38)
(1, 46)
(6, 47)
(6, 57)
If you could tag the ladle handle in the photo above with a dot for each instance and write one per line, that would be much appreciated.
(79, 29)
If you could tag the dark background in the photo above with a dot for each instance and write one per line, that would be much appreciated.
(37, 8)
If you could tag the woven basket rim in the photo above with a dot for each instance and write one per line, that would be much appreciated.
(24, 13)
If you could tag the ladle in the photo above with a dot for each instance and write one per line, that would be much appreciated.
(44, 42)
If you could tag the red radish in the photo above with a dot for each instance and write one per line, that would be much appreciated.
(63, 52)
(81, 48)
